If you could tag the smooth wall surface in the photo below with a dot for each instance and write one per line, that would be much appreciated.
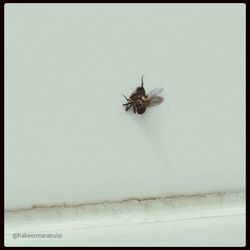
(67, 136)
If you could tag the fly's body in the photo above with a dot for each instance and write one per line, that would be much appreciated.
(140, 101)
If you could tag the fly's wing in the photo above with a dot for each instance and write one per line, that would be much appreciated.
(155, 92)
(153, 98)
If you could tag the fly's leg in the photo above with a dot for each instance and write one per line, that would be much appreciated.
(129, 104)
(127, 99)
(134, 108)
(142, 81)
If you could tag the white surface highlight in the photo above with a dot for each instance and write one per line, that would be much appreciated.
(199, 220)
(122, 213)
(219, 231)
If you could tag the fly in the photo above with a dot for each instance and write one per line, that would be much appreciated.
(140, 101)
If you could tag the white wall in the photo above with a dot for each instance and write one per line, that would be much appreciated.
(67, 136)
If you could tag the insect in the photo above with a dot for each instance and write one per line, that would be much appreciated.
(139, 100)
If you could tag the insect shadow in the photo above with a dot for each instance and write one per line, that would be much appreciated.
(154, 138)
